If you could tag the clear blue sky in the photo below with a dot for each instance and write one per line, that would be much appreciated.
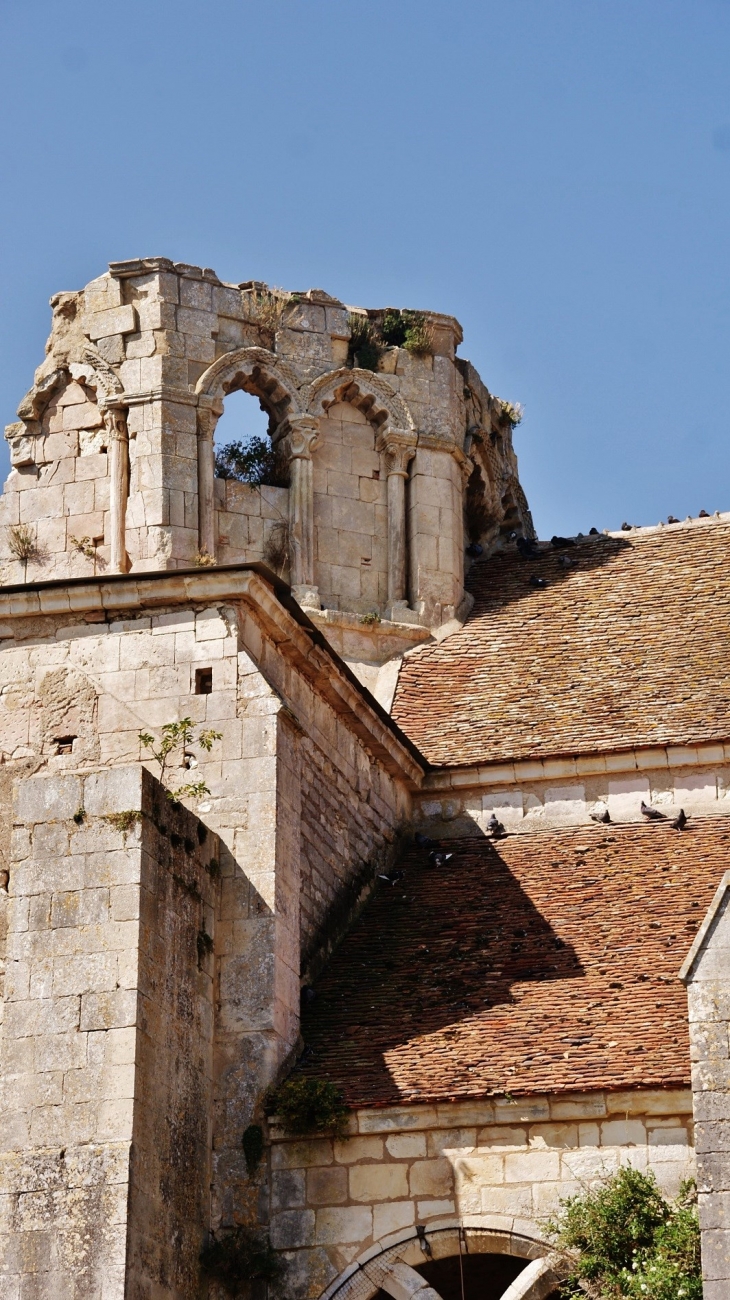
(556, 173)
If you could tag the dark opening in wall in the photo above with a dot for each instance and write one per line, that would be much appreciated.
(64, 744)
(203, 681)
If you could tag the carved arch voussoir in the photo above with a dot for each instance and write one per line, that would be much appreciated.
(257, 371)
(365, 1277)
(91, 369)
(363, 389)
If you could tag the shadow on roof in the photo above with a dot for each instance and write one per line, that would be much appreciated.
(438, 949)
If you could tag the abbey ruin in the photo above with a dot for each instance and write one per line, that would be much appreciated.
(338, 776)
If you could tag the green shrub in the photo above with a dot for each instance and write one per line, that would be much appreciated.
(624, 1239)
(237, 1257)
(364, 348)
(255, 462)
(307, 1105)
(407, 329)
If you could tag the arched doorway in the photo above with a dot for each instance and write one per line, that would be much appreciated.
(430, 1265)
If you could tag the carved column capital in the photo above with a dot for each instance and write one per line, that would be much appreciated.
(209, 413)
(302, 436)
(115, 422)
(399, 447)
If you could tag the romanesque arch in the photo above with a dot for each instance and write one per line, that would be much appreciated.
(394, 1270)
(369, 392)
(256, 371)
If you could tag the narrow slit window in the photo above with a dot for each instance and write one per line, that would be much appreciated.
(203, 681)
(64, 744)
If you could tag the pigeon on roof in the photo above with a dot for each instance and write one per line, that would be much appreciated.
(651, 814)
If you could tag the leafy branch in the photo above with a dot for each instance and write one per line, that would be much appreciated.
(176, 735)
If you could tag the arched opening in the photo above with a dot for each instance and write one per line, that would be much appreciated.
(485, 1276)
(243, 446)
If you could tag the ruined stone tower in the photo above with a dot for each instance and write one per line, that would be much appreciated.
(113, 455)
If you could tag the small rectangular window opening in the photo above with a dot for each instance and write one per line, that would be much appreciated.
(64, 744)
(203, 681)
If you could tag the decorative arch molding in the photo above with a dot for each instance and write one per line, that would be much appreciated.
(90, 369)
(381, 1267)
(256, 371)
(370, 393)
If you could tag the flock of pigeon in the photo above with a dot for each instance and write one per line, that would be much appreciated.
(529, 547)
(497, 830)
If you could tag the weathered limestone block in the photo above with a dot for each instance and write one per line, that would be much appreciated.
(107, 1048)
(706, 972)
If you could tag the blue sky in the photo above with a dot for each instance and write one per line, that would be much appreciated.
(556, 173)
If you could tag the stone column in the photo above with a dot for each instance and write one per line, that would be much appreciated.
(302, 434)
(398, 448)
(208, 417)
(115, 422)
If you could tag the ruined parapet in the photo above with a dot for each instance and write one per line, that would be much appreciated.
(382, 448)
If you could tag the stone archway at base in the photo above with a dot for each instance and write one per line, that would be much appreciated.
(495, 1264)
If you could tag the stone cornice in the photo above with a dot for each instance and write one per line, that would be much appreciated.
(651, 758)
(271, 604)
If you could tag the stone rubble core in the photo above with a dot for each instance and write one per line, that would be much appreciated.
(507, 1024)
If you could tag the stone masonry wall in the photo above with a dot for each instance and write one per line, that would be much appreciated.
(534, 795)
(706, 974)
(76, 694)
(107, 1036)
(350, 514)
(493, 1164)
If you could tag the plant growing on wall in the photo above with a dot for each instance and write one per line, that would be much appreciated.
(407, 329)
(264, 307)
(175, 736)
(510, 412)
(22, 542)
(365, 347)
(307, 1105)
(403, 329)
(625, 1240)
(237, 1256)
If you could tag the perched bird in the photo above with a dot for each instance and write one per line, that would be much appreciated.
(4, 879)
(651, 814)
(672, 519)
(396, 876)
(604, 816)
(439, 859)
(511, 537)
(593, 532)
(680, 821)
(423, 841)
(626, 528)
(537, 582)
(527, 547)
(561, 542)
(703, 515)
(495, 826)
(567, 561)
(474, 550)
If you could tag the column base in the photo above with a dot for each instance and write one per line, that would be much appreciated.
(306, 595)
(399, 611)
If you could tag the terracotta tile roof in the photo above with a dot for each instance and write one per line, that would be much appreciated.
(628, 648)
(543, 962)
